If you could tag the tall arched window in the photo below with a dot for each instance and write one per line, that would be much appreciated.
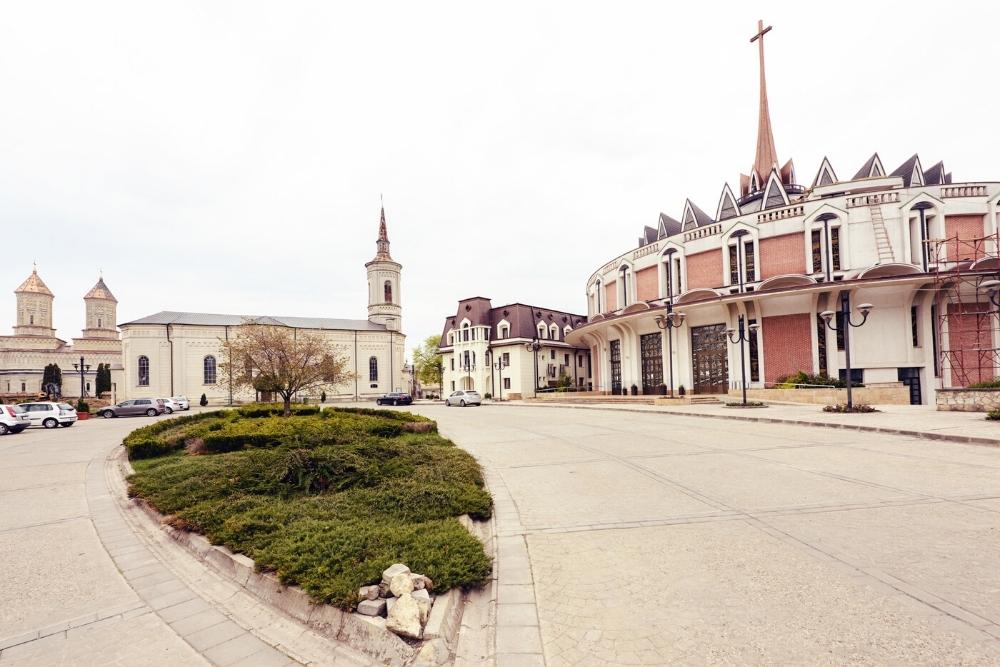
(373, 369)
(144, 371)
(388, 291)
(208, 370)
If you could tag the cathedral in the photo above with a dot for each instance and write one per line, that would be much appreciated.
(886, 276)
(34, 344)
(178, 353)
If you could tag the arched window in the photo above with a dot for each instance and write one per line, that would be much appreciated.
(554, 332)
(542, 331)
(372, 369)
(208, 370)
(388, 291)
(144, 371)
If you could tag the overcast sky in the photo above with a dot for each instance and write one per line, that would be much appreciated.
(228, 157)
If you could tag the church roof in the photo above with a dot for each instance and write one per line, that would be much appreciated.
(100, 291)
(214, 319)
(522, 318)
(908, 170)
(871, 168)
(34, 285)
(382, 244)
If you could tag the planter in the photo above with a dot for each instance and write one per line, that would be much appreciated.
(83, 416)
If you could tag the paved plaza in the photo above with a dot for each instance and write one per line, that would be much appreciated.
(645, 538)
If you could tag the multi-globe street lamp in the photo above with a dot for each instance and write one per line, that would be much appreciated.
(670, 321)
(534, 346)
(845, 324)
(83, 368)
(739, 336)
(499, 365)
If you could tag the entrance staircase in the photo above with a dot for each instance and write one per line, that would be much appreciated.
(705, 399)
(882, 243)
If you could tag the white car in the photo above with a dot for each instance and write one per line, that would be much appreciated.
(169, 406)
(182, 402)
(464, 398)
(13, 419)
(50, 414)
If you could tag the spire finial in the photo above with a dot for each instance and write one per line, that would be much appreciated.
(382, 244)
(766, 157)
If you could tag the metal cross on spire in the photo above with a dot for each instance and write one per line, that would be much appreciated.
(767, 156)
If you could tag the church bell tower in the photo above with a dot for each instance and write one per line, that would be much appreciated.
(102, 307)
(384, 303)
(34, 308)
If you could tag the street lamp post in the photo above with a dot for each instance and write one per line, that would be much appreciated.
(534, 346)
(739, 336)
(83, 368)
(670, 321)
(499, 365)
(845, 325)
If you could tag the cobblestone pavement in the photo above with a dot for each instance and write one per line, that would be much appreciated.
(84, 585)
(631, 538)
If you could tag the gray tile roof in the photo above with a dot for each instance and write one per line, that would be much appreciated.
(905, 170)
(214, 319)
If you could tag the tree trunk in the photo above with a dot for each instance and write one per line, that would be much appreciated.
(287, 398)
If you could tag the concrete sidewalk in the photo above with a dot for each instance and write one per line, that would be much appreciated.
(918, 421)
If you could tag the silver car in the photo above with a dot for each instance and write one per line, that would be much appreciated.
(139, 406)
(464, 398)
(182, 402)
(50, 414)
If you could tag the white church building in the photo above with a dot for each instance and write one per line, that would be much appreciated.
(178, 353)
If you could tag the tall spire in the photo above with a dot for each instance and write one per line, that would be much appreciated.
(767, 157)
(382, 244)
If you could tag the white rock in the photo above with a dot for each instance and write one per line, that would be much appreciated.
(423, 599)
(400, 584)
(404, 619)
(392, 571)
(368, 593)
(418, 581)
(434, 652)
(389, 602)
(371, 607)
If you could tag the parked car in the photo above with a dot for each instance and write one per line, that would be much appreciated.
(464, 398)
(13, 419)
(182, 402)
(168, 405)
(395, 398)
(50, 414)
(138, 406)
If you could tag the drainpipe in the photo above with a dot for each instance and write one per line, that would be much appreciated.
(355, 365)
(171, 342)
(230, 370)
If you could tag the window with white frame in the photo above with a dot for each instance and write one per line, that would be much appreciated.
(542, 331)
(143, 371)
(208, 370)
(742, 258)
(554, 332)
(824, 247)
(672, 274)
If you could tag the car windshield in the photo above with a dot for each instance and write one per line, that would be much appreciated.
(65, 406)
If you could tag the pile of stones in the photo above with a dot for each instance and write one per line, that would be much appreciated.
(403, 598)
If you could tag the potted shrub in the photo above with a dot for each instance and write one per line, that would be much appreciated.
(681, 390)
(635, 390)
(203, 401)
(488, 396)
(82, 409)
(663, 389)
(322, 397)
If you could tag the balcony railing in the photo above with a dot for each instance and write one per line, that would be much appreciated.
(781, 214)
(702, 232)
(967, 190)
(874, 198)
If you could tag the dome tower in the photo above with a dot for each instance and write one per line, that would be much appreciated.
(102, 311)
(34, 308)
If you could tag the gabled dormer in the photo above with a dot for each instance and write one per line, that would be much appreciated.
(911, 172)
(788, 173)
(694, 217)
(774, 194)
(825, 175)
(728, 207)
(667, 227)
(936, 175)
(871, 169)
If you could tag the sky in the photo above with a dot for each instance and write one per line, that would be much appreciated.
(229, 156)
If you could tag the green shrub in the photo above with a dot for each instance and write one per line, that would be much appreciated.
(274, 409)
(82, 406)
(989, 384)
(993, 415)
(842, 407)
(803, 378)
(326, 501)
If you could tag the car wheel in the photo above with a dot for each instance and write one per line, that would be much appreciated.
(378, 401)
(50, 423)
(151, 412)
(107, 414)
(3, 429)
(462, 403)
(169, 411)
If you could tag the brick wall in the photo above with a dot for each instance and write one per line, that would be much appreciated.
(611, 297)
(704, 269)
(646, 287)
(966, 228)
(783, 254)
(787, 345)
(969, 344)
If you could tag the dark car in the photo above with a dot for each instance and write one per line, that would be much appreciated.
(139, 406)
(395, 398)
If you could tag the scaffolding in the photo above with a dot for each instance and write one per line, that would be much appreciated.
(966, 324)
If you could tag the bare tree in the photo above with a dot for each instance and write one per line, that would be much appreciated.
(267, 357)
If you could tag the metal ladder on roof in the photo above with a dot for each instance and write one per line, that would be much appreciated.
(882, 244)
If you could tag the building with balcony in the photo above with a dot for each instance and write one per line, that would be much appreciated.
(512, 351)
(911, 241)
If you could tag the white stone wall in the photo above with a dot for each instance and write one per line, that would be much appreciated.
(188, 346)
(520, 371)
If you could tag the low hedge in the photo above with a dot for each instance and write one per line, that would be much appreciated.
(326, 501)
(989, 384)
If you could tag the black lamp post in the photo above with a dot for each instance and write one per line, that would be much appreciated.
(992, 288)
(845, 325)
(534, 346)
(499, 365)
(739, 337)
(670, 321)
(83, 368)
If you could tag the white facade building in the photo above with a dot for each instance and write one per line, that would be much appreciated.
(511, 352)
(174, 353)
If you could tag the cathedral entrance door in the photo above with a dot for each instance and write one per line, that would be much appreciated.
(651, 347)
(616, 367)
(709, 362)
